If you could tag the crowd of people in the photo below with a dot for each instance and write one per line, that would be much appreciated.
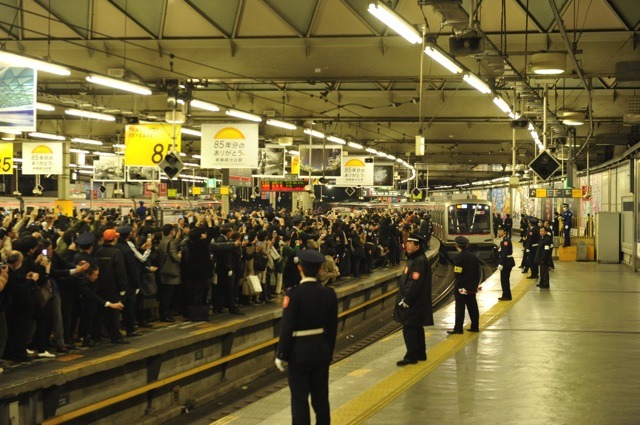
(99, 276)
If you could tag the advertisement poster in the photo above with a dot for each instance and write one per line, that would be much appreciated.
(320, 162)
(17, 99)
(108, 169)
(383, 175)
(356, 171)
(148, 144)
(143, 174)
(41, 158)
(229, 146)
(270, 162)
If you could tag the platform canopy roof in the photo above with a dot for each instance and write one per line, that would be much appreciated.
(331, 65)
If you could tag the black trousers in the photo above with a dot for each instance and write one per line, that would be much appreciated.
(469, 301)
(567, 237)
(309, 378)
(165, 297)
(544, 275)
(532, 263)
(504, 282)
(415, 342)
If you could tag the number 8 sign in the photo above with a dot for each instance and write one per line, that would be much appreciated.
(147, 144)
(6, 158)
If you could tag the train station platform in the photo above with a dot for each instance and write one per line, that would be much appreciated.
(564, 355)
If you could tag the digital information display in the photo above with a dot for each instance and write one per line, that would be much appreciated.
(283, 186)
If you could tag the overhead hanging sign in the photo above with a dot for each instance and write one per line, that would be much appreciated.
(147, 144)
(41, 158)
(282, 185)
(383, 175)
(270, 162)
(108, 169)
(17, 99)
(6, 158)
(320, 162)
(229, 146)
(355, 172)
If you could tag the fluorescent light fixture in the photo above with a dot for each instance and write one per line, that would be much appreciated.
(45, 107)
(295, 153)
(26, 62)
(89, 167)
(119, 146)
(476, 83)
(395, 22)
(16, 132)
(381, 154)
(244, 115)
(7, 136)
(85, 172)
(281, 124)
(337, 140)
(514, 116)
(442, 59)
(398, 160)
(17, 159)
(196, 156)
(391, 157)
(201, 104)
(191, 164)
(89, 114)
(103, 153)
(500, 103)
(355, 145)
(119, 84)
(314, 133)
(548, 63)
(74, 150)
(371, 151)
(534, 134)
(190, 132)
(49, 136)
(87, 141)
(573, 118)
(183, 154)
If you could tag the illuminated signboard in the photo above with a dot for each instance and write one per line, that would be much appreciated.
(282, 186)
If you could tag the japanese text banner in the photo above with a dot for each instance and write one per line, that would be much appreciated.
(229, 146)
(147, 144)
(6, 158)
(41, 158)
(355, 172)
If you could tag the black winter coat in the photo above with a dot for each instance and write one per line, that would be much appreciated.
(414, 287)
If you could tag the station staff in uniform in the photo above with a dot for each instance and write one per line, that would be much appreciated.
(466, 267)
(567, 219)
(505, 263)
(544, 257)
(413, 304)
(533, 239)
(307, 340)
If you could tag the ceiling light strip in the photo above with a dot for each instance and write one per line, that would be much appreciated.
(442, 59)
(395, 22)
(87, 141)
(49, 136)
(282, 124)
(201, 104)
(476, 83)
(243, 115)
(13, 59)
(89, 114)
(119, 84)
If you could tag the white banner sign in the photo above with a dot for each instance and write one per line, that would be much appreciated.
(356, 172)
(229, 146)
(41, 158)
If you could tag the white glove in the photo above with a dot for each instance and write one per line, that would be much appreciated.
(295, 260)
(500, 267)
(122, 293)
(527, 250)
(403, 304)
(462, 291)
(566, 227)
(137, 291)
(280, 364)
(230, 273)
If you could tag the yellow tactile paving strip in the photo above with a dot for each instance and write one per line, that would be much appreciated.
(363, 406)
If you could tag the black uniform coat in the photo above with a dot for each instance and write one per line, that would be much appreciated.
(545, 248)
(113, 277)
(414, 287)
(308, 306)
(466, 267)
(506, 253)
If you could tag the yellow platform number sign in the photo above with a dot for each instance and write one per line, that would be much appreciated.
(147, 144)
(6, 158)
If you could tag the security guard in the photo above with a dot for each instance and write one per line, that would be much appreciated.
(413, 303)
(567, 220)
(544, 257)
(505, 263)
(466, 267)
(533, 239)
(307, 340)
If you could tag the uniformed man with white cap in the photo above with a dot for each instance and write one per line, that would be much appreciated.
(466, 267)
(413, 304)
(567, 221)
(307, 339)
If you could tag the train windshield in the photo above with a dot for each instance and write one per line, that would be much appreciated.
(472, 219)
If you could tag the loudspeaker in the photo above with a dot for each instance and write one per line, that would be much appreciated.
(519, 124)
(544, 165)
(466, 46)
(171, 164)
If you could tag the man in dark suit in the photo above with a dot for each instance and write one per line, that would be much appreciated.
(505, 263)
(533, 239)
(466, 268)
(544, 257)
(413, 304)
(307, 339)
